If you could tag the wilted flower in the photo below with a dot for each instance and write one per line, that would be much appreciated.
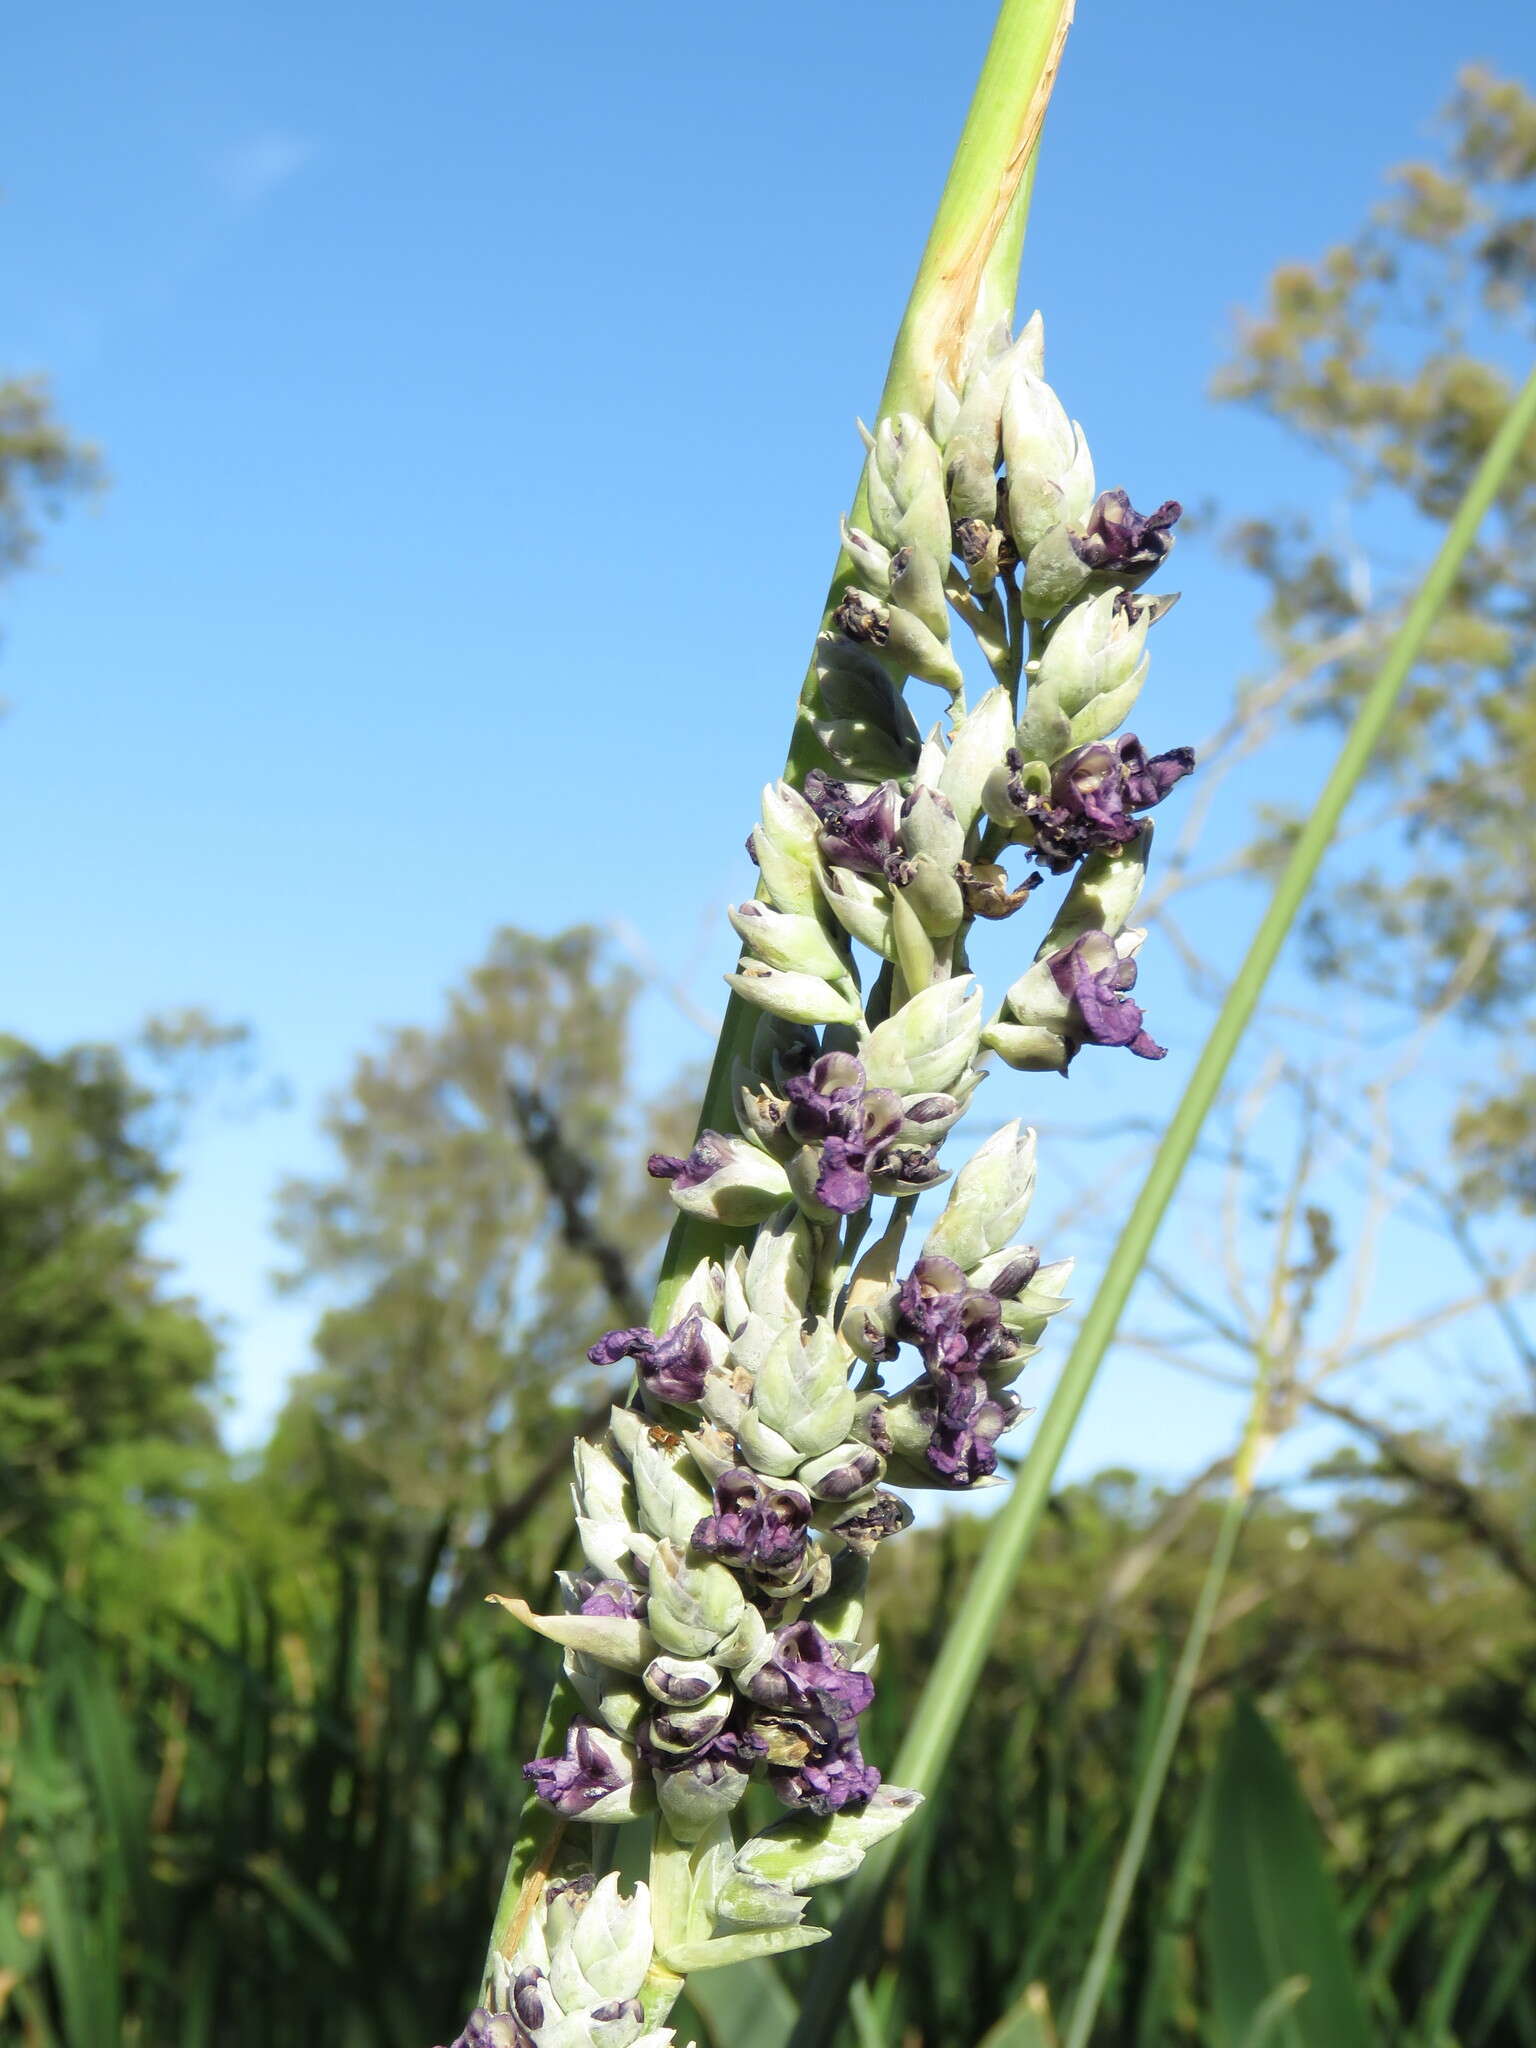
(1097, 981)
(671, 1366)
(1127, 543)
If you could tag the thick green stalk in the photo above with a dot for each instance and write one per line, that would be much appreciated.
(964, 281)
(959, 1665)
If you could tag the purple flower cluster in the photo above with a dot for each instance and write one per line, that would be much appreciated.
(808, 1706)
(957, 1330)
(757, 1528)
(856, 1132)
(1095, 795)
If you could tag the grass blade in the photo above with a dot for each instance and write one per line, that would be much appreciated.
(1272, 1915)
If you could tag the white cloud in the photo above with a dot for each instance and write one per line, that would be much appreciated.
(259, 166)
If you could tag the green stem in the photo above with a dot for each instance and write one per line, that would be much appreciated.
(965, 280)
(958, 1669)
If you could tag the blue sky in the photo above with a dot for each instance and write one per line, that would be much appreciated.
(477, 385)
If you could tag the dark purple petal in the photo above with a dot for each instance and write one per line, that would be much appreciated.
(528, 1997)
(804, 1670)
(842, 1185)
(756, 1527)
(612, 1596)
(672, 1366)
(967, 1423)
(577, 1780)
(1148, 780)
(702, 1163)
(1116, 536)
(814, 1761)
(955, 1327)
(863, 836)
(1097, 982)
(825, 1101)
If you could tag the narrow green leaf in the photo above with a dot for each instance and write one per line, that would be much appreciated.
(1473, 1918)
(1272, 1914)
(1025, 2025)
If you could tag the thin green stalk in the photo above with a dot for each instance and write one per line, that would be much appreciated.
(958, 1667)
(965, 280)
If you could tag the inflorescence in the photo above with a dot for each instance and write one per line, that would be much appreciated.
(728, 1518)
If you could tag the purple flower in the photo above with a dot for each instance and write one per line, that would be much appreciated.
(864, 836)
(805, 1669)
(967, 1421)
(1095, 793)
(756, 1527)
(855, 1128)
(1118, 538)
(702, 1163)
(814, 1760)
(954, 1326)
(612, 1596)
(578, 1780)
(1097, 982)
(672, 1366)
(825, 1100)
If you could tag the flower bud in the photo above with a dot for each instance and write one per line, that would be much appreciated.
(681, 1681)
(976, 747)
(988, 1200)
(785, 939)
(784, 847)
(679, 1730)
(777, 1278)
(871, 562)
(700, 1794)
(841, 1473)
(917, 586)
(617, 1702)
(693, 1607)
(668, 1492)
(868, 1322)
(1050, 472)
(799, 998)
(1096, 652)
(861, 906)
(802, 1391)
(905, 480)
(607, 1952)
(1054, 574)
(928, 1045)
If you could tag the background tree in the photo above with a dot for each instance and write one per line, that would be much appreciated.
(458, 1301)
(97, 1357)
(1395, 356)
